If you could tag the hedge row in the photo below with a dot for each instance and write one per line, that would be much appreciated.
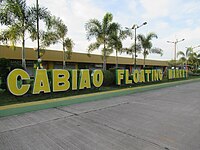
(5, 67)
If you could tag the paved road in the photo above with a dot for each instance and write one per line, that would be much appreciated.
(155, 120)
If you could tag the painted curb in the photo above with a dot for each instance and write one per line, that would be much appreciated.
(65, 101)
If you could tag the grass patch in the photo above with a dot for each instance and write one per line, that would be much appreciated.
(7, 98)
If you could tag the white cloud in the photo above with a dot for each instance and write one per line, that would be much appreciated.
(156, 8)
(75, 14)
(170, 19)
(191, 37)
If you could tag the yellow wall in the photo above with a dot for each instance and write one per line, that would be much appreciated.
(52, 55)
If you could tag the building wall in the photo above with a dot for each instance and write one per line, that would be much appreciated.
(53, 59)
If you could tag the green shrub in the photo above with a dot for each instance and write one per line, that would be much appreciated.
(113, 71)
(108, 78)
(196, 71)
(4, 71)
(15, 65)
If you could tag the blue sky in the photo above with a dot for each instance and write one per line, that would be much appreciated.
(169, 19)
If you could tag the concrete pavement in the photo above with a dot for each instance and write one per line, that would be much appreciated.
(161, 119)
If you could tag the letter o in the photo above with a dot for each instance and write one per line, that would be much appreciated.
(97, 78)
(136, 76)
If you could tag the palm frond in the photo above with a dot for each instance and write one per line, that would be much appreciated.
(107, 52)
(125, 33)
(151, 35)
(93, 46)
(156, 50)
(68, 45)
(113, 28)
(48, 38)
(131, 49)
(180, 53)
(43, 14)
(182, 59)
(58, 27)
(93, 28)
(11, 36)
(141, 38)
(107, 19)
(189, 51)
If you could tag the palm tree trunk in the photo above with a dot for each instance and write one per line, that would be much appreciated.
(104, 61)
(116, 60)
(23, 52)
(144, 58)
(104, 57)
(187, 65)
(63, 56)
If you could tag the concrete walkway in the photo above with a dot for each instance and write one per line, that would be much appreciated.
(164, 119)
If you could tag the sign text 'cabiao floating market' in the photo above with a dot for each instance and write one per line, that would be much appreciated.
(58, 80)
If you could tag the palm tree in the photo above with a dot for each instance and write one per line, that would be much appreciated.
(184, 57)
(57, 34)
(189, 57)
(101, 31)
(131, 49)
(147, 45)
(19, 18)
(14, 14)
(116, 41)
(193, 59)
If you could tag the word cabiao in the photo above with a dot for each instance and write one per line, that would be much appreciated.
(60, 80)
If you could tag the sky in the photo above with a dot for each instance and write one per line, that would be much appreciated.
(169, 19)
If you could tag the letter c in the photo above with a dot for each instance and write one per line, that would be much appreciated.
(12, 82)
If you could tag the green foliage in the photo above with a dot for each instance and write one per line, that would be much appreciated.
(108, 78)
(50, 77)
(57, 33)
(131, 49)
(5, 67)
(4, 71)
(15, 65)
(146, 44)
(15, 14)
(19, 19)
(102, 32)
(197, 71)
(116, 39)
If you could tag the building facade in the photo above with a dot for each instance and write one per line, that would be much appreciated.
(52, 59)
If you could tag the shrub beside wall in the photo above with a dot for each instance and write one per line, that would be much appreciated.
(5, 67)
(4, 71)
(109, 78)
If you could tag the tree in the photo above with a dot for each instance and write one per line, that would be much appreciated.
(185, 56)
(131, 50)
(147, 45)
(101, 31)
(189, 57)
(19, 19)
(14, 14)
(198, 61)
(116, 39)
(193, 59)
(57, 34)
